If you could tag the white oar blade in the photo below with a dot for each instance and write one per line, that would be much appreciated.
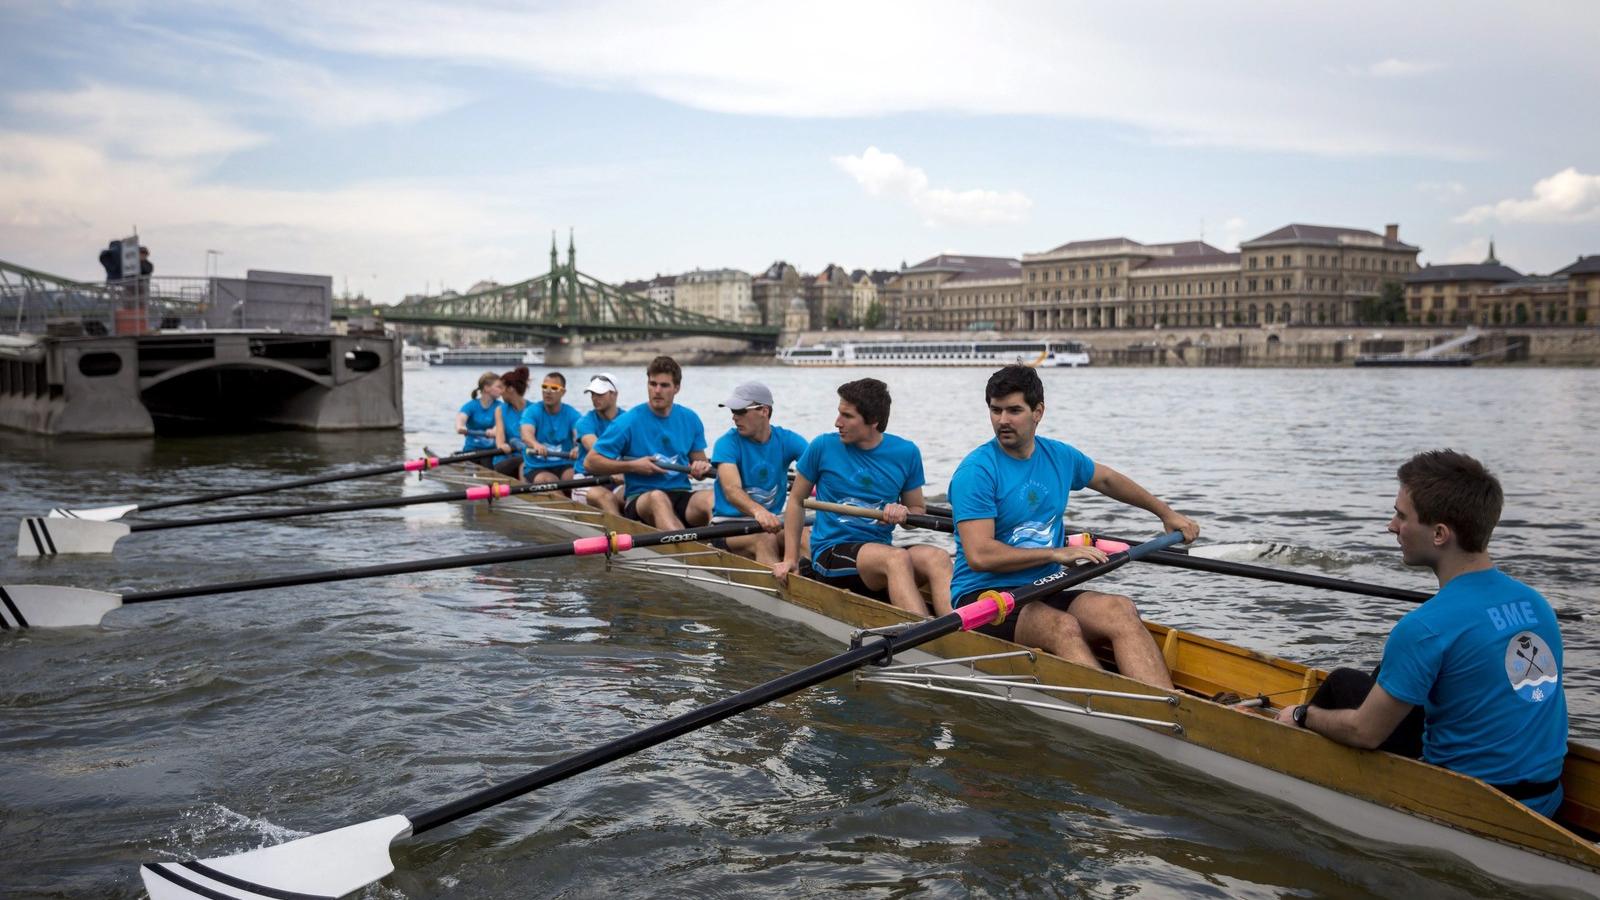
(41, 536)
(50, 606)
(1242, 552)
(98, 513)
(327, 865)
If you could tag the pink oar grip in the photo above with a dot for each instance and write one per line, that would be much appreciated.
(414, 464)
(602, 543)
(488, 491)
(1082, 539)
(989, 609)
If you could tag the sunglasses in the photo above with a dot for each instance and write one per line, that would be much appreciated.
(740, 412)
(553, 387)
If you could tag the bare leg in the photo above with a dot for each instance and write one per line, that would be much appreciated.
(602, 498)
(655, 509)
(1044, 626)
(699, 511)
(1114, 618)
(763, 548)
(883, 567)
(934, 569)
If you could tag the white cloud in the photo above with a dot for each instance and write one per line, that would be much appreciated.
(1396, 68)
(1567, 196)
(149, 124)
(887, 175)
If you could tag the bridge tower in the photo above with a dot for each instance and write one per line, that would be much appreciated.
(568, 351)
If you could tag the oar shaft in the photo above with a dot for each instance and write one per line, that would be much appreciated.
(1281, 576)
(426, 462)
(580, 547)
(482, 492)
(915, 520)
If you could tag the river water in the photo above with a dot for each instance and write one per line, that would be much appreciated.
(213, 725)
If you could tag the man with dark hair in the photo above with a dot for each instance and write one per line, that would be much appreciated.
(1008, 498)
(860, 465)
(657, 431)
(1481, 658)
(752, 462)
(549, 433)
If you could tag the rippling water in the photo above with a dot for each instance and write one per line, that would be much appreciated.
(213, 725)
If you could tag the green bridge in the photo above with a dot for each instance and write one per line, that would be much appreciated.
(565, 306)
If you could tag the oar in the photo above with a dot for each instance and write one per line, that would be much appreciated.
(1178, 559)
(43, 536)
(110, 513)
(53, 606)
(338, 862)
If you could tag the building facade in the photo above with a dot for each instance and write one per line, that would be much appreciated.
(830, 295)
(772, 290)
(723, 293)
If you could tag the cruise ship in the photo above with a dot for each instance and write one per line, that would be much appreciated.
(937, 353)
(490, 357)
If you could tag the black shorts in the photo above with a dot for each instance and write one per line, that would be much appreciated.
(1007, 630)
(836, 566)
(510, 466)
(680, 505)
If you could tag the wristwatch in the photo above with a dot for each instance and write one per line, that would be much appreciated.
(1299, 714)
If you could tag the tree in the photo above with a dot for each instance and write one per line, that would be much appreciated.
(874, 316)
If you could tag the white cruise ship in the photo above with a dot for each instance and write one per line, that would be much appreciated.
(486, 356)
(937, 353)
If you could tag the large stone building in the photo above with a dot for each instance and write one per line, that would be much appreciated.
(772, 290)
(1296, 275)
(1448, 294)
(829, 296)
(1489, 293)
(723, 293)
(951, 291)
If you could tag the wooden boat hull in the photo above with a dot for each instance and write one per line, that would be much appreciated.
(1380, 796)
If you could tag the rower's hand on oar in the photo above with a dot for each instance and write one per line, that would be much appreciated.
(504, 447)
(461, 429)
(769, 523)
(699, 468)
(1072, 556)
(1180, 522)
(645, 465)
(538, 449)
(895, 514)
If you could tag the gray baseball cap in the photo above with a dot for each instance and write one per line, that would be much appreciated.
(751, 393)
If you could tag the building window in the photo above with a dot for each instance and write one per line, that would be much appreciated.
(1272, 261)
(1250, 285)
(1253, 261)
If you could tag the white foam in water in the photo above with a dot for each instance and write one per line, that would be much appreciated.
(1243, 552)
(198, 824)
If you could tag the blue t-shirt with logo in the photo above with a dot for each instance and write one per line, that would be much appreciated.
(1483, 659)
(874, 478)
(1024, 497)
(555, 430)
(480, 419)
(670, 439)
(511, 419)
(763, 467)
(591, 423)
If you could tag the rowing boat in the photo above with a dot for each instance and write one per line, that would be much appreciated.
(1216, 722)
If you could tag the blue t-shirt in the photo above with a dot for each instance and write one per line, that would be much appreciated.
(763, 468)
(670, 438)
(1026, 499)
(555, 430)
(480, 420)
(511, 419)
(847, 474)
(591, 423)
(1483, 659)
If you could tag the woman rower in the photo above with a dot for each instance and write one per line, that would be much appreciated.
(476, 419)
(508, 422)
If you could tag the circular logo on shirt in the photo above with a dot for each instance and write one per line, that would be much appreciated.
(1531, 667)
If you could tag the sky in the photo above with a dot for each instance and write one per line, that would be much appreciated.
(408, 147)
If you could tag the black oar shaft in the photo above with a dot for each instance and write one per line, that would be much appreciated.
(408, 466)
(379, 503)
(783, 686)
(517, 554)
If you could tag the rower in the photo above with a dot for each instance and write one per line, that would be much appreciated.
(752, 461)
(476, 417)
(1008, 497)
(549, 431)
(508, 422)
(657, 431)
(602, 391)
(861, 465)
(1471, 679)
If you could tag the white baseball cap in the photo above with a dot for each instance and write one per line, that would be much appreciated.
(601, 384)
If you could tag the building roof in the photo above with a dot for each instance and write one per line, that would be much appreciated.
(1483, 271)
(1586, 265)
(1329, 235)
(1191, 248)
(1091, 244)
(990, 268)
(949, 262)
(1217, 258)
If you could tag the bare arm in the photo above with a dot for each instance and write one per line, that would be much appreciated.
(1366, 727)
(699, 466)
(733, 488)
(596, 464)
(986, 554)
(461, 423)
(1123, 489)
(794, 522)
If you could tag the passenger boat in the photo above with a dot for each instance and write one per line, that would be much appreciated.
(1216, 722)
(1043, 354)
(490, 357)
